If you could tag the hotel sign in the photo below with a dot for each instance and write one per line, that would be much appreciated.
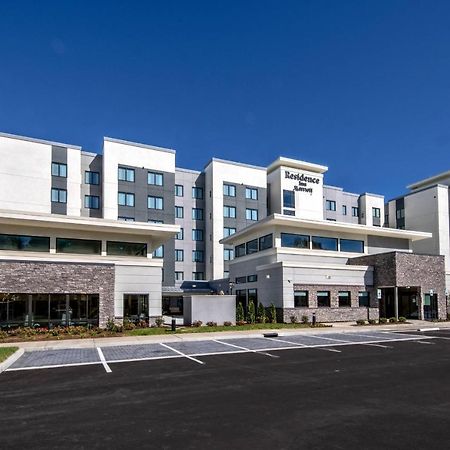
(304, 181)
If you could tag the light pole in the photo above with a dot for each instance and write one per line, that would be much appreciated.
(231, 286)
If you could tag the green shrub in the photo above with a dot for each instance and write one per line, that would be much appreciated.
(382, 320)
(393, 320)
(197, 323)
(251, 314)
(273, 313)
(402, 319)
(304, 319)
(261, 316)
(128, 325)
(159, 321)
(293, 319)
(227, 324)
(372, 321)
(211, 324)
(239, 313)
(360, 322)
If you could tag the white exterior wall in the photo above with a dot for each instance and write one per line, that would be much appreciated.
(216, 174)
(73, 182)
(122, 153)
(366, 203)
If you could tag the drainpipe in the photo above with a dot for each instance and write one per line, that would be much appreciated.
(396, 301)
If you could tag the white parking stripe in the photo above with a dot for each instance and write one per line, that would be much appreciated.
(424, 342)
(287, 342)
(181, 353)
(247, 349)
(103, 360)
(54, 366)
(377, 345)
(327, 349)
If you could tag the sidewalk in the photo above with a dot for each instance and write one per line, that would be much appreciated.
(349, 327)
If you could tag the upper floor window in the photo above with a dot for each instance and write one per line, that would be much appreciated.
(251, 214)
(126, 219)
(155, 221)
(159, 252)
(59, 195)
(179, 276)
(126, 174)
(229, 190)
(265, 242)
(344, 210)
(251, 193)
(92, 201)
(155, 202)
(331, 205)
(197, 213)
(179, 212)
(355, 211)
(229, 211)
(324, 243)
(376, 212)
(228, 231)
(197, 256)
(351, 245)
(180, 235)
(198, 276)
(228, 254)
(91, 177)
(179, 255)
(59, 170)
(197, 192)
(197, 235)
(155, 178)
(288, 199)
(179, 190)
(294, 240)
(126, 199)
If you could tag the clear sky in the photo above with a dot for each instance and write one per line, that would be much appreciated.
(361, 86)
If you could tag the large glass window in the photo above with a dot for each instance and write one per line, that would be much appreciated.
(126, 174)
(251, 246)
(324, 243)
(323, 299)
(229, 190)
(352, 246)
(197, 256)
(197, 213)
(91, 177)
(364, 299)
(252, 278)
(265, 242)
(229, 211)
(252, 295)
(59, 170)
(197, 235)
(83, 309)
(14, 310)
(126, 248)
(172, 306)
(344, 298)
(24, 243)
(251, 193)
(288, 199)
(125, 199)
(301, 299)
(81, 246)
(155, 202)
(294, 240)
(92, 201)
(179, 190)
(251, 214)
(197, 192)
(239, 250)
(155, 179)
(59, 195)
(135, 307)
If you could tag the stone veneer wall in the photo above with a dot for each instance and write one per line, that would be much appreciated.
(334, 313)
(61, 278)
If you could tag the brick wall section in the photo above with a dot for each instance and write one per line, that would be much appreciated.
(334, 313)
(61, 278)
(409, 269)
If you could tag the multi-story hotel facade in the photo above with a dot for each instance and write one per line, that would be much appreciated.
(86, 237)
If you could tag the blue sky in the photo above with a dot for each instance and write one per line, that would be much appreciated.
(361, 86)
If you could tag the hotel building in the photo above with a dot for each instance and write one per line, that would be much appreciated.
(86, 237)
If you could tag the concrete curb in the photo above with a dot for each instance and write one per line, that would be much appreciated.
(11, 360)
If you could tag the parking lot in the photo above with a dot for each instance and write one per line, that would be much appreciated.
(334, 390)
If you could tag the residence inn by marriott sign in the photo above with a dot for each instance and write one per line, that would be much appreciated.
(305, 182)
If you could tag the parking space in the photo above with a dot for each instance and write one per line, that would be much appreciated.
(189, 349)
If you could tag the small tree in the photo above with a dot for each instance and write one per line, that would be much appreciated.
(239, 313)
(261, 313)
(251, 314)
(273, 313)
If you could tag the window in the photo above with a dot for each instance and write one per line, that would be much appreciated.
(344, 210)
(24, 243)
(179, 212)
(241, 280)
(251, 214)
(197, 235)
(135, 306)
(228, 231)
(352, 246)
(252, 295)
(80, 246)
(197, 192)
(155, 202)
(364, 299)
(126, 174)
(324, 243)
(229, 190)
(239, 250)
(155, 221)
(251, 247)
(301, 299)
(294, 240)
(59, 170)
(91, 177)
(180, 235)
(159, 252)
(400, 213)
(229, 211)
(126, 199)
(330, 205)
(252, 278)
(126, 219)
(198, 276)
(265, 242)
(226, 274)
(228, 254)
(376, 212)
(179, 190)
(288, 199)
(323, 299)
(179, 276)
(344, 299)
(197, 213)
(92, 201)
(126, 248)
(179, 255)
(288, 212)
(355, 211)
(155, 178)
(197, 256)
(59, 195)
(251, 193)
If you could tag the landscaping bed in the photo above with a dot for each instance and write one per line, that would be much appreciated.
(383, 321)
(6, 352)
